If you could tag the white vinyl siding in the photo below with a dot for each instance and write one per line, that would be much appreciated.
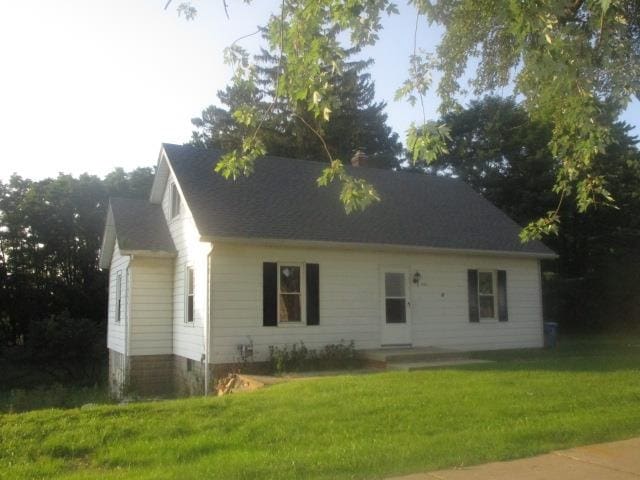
(151, 326)
(115, 329)
(351, 295)
(188, 337)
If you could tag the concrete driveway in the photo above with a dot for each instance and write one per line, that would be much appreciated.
(605, 461)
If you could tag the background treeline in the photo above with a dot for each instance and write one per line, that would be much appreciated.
(53, 296)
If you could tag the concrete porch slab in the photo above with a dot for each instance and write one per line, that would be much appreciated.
(409, 354)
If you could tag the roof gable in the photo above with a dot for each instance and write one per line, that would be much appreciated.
(281, 201)
(138, 226)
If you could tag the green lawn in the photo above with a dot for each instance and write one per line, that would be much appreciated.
(366, 426)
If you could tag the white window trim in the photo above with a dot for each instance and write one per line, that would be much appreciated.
(303, 294)
(494, 288)
(173, 194)
(186, 296)
(118, 305)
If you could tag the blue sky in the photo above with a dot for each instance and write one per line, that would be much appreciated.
(88, 85)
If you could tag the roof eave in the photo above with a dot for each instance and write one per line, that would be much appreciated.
(148, 253)
(160, 178)
(377, 247)
(108, 240)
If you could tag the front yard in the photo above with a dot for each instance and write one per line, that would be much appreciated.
(367, 426)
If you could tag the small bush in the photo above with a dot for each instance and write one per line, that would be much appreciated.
(298, 357)
(54, 396)
(338, 354)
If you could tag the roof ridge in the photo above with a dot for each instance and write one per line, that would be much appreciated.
(384, 171)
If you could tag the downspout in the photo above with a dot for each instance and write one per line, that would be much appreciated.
(207, 335)
(541, 297)
(127, 327)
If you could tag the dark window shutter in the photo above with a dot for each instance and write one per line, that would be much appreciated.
(472, 280)
(502, 296)
(313, 294)
(269, 294)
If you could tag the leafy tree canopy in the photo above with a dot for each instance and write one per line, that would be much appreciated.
(496, 148)
(50, 233)
(576, 63)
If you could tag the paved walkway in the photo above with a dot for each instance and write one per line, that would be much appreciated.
(605, 461)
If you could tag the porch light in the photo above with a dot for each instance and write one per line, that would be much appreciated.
(417, 277)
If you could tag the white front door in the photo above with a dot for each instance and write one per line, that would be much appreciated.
(396, 314)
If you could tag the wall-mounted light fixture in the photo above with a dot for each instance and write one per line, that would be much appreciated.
(417, 277)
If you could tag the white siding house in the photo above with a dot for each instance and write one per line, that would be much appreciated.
(352, 302)
(207, 266)
(118, 301)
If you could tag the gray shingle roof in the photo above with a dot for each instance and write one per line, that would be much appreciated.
(281, 200)
(140, 225)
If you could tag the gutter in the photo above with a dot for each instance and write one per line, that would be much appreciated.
(376, 247)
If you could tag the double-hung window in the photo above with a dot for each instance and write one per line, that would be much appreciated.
(487, 294)
(189, 290)
(290, 293)
(118, 297)
(175, 201)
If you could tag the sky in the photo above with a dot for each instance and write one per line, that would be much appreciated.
(90, 85)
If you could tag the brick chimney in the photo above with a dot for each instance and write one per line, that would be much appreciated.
(359, 159)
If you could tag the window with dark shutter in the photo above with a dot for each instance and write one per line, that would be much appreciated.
(313, 294)
(503, 315)
(472, 280)
(118, 297)
(269, 294)
(190, 292)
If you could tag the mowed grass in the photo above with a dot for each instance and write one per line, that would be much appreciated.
(366, 426)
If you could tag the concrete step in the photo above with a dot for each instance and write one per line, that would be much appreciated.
(424, 357)
(415, 354)
(453, 362)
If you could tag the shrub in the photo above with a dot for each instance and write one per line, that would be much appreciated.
(298, 357)
(71, 349)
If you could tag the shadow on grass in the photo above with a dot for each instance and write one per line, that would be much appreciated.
(580, 353)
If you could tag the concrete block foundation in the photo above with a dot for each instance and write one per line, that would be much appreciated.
(155, 375)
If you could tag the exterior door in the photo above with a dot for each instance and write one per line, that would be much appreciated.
(396, 314)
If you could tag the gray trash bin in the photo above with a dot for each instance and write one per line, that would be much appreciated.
(550, 334)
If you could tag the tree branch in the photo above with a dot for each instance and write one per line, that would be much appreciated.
(317, 134)
(226, 8)
(571, 9)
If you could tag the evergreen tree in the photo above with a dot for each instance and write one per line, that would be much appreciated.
(357, 123)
